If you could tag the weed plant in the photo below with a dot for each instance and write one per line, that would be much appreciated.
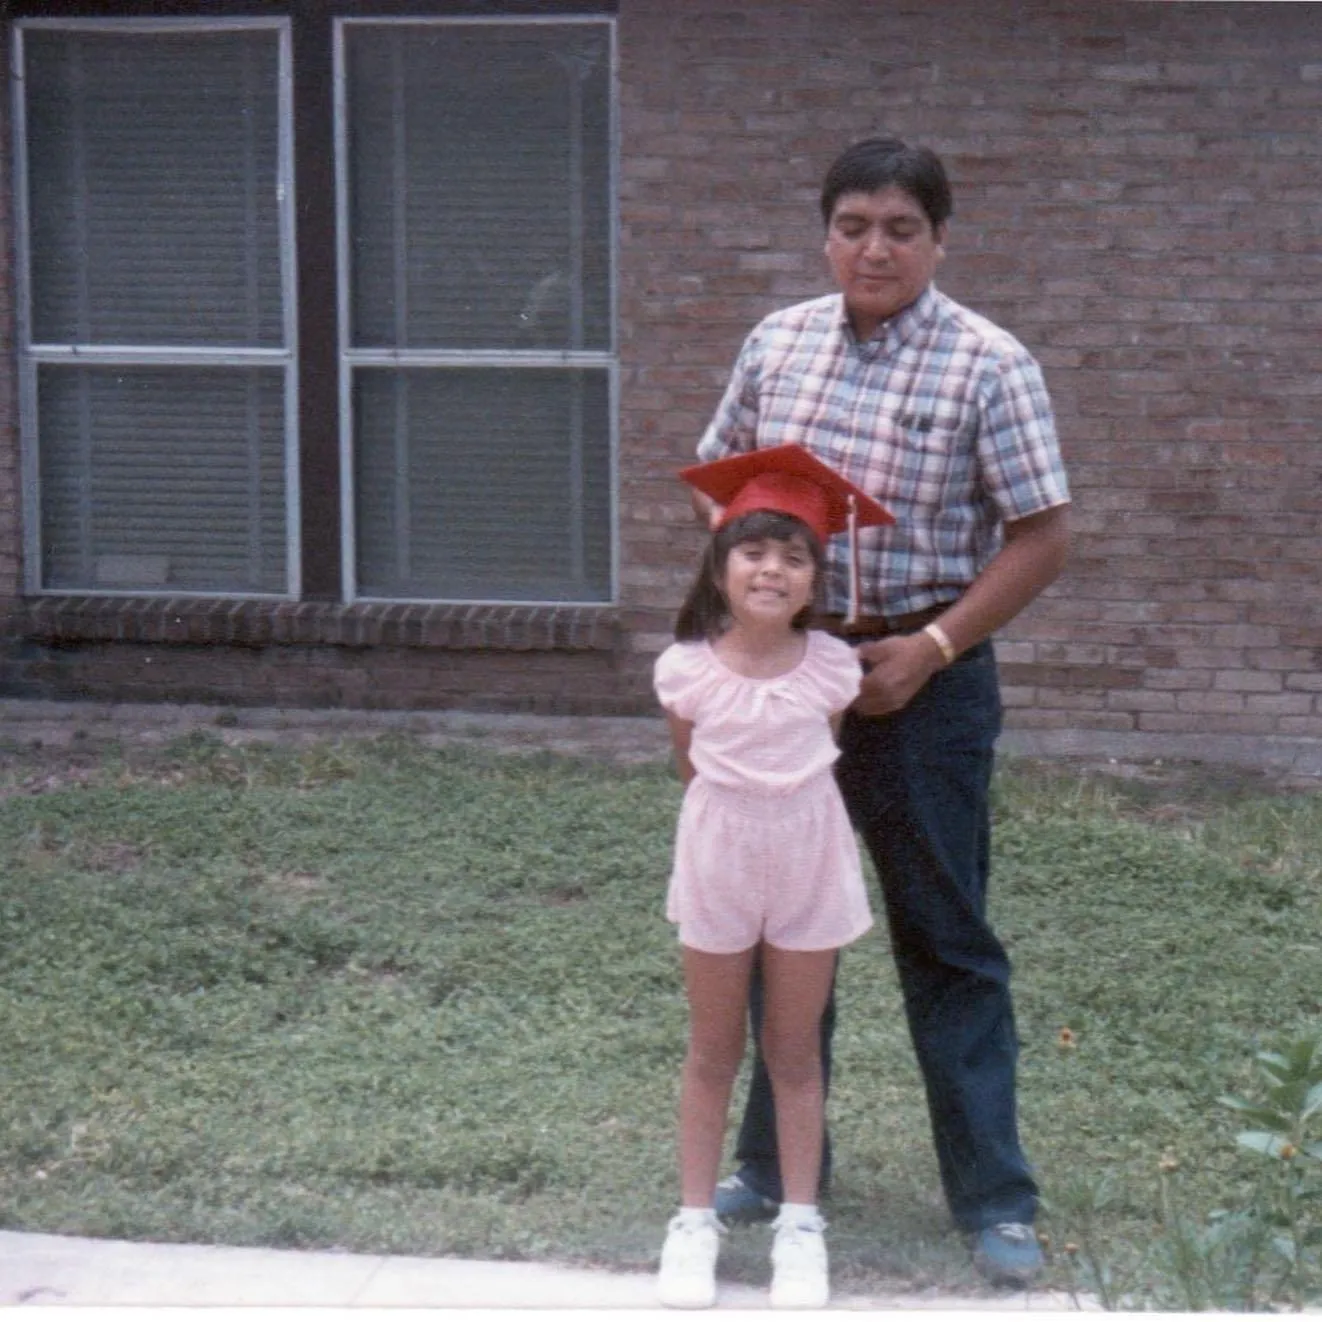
(387, 998)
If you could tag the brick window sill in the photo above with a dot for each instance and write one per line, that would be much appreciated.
(312, 624)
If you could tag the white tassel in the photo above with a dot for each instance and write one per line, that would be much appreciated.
(854, 588)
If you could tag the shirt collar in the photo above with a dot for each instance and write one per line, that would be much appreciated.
(900, 327)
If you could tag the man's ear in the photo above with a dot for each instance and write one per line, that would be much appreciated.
(939, 234)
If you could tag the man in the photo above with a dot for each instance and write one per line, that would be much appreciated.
(943, 418)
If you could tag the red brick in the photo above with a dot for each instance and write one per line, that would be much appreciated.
(1309, 727)
(1029, 718)
(1141, 700)
(1280, 704)
(1248, 681)
(1210, 702)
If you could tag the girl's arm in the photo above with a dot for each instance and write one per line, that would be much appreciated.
(681, 736)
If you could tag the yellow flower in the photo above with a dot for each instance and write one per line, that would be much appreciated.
(1289, 1152)
(1066, 1040)
(1168, 1164)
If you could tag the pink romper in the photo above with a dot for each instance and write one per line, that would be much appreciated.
(764, 850)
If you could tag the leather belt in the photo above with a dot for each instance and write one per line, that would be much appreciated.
(878, 626)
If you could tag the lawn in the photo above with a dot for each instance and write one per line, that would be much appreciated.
(389, 998)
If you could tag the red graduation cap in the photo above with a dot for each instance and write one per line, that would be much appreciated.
(791, 480)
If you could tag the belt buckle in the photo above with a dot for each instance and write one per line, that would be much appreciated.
(876, 626)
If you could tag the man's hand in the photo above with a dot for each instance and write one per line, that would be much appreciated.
(1033, 554)
(900, 667)
(707, 510)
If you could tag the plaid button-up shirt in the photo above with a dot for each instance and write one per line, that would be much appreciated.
(942, 416)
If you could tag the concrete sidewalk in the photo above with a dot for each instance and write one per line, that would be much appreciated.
(63, 1271)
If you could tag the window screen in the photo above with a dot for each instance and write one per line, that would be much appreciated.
(154, 252)
(479, 238)
(492, 482)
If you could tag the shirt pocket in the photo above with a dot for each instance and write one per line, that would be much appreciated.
(940, 463)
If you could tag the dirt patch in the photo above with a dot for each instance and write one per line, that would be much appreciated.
(1167, 789)
(24, 774)
(295, 883)
(46, 746)
(114, 856)
(36, 735)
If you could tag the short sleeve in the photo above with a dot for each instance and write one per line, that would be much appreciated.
(833, 668)
(1017, 447)
(680, 677)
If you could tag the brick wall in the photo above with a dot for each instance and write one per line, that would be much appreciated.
(551, 661)
(10, 531)
(287, 675)
(1137, 198)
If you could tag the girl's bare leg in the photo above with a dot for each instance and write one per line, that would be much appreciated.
(717, 987)
(796, 984)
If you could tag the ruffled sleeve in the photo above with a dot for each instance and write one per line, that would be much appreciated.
(832, 668)
(681, 675)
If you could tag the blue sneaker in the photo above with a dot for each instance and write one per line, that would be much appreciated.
(739, 1204)
(1008, 1254)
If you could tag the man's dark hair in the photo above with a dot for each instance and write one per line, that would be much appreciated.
(877, 163)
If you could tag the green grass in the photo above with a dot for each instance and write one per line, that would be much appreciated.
(387, 998)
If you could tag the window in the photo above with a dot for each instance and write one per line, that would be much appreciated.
(167, 410)
(475, 317)
(156, 323)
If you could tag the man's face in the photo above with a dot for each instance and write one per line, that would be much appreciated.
(883, 253)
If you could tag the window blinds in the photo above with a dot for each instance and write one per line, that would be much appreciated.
(154, 236)
(479, 220)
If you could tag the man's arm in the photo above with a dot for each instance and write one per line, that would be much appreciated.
(733, 428)
(1031, 559)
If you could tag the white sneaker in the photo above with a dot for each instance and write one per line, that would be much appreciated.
(687, 1278)
(798, 1264)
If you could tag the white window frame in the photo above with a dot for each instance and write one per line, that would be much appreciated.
(351, 358)
(31, 355)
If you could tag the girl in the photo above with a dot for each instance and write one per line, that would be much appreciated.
(766, 867)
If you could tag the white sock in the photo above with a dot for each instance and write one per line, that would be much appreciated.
(799, 1214)
(696, 1216)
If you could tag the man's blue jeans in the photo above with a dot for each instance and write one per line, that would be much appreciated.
(917, 785)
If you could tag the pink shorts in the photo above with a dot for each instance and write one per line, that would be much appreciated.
(756, 866)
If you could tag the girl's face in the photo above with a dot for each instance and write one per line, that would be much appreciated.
(768, 581)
